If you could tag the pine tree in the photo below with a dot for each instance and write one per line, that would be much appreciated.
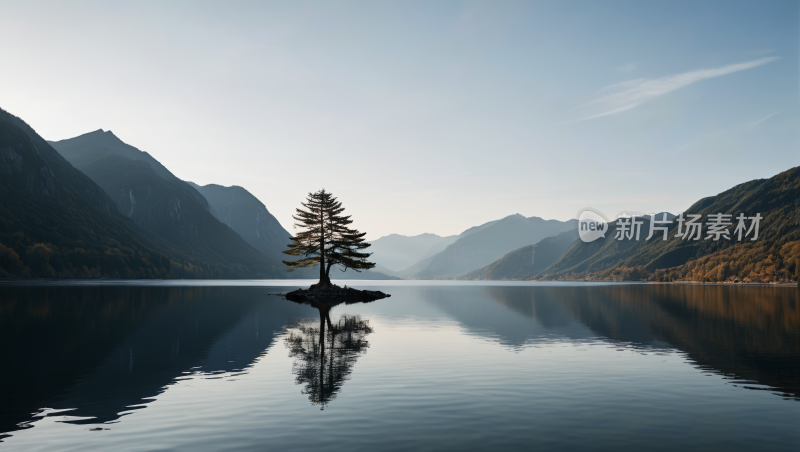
(326, 240)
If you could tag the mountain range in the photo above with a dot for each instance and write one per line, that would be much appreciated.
(211, 224)
(396, 252)
(553, 254)
(93, 206)
(172, 212)
(56, 222)
(479, 246)
(774, 256)
(526, 262)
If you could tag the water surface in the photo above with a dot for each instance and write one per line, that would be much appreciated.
(223, 365)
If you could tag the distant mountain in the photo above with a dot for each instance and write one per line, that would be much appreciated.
(249, 217)
(420, 266)
(169, 210)
(482, 245)
(380, 269)
(526, 262)
(775, 256)
(482, 227)
(439, 247)
(426, 258)
(397, 252)
(56, 222)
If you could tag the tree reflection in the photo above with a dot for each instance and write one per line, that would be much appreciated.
(324, 357)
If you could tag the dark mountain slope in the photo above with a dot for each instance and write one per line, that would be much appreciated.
(249, 217)
(54, 221)
(483, 245)
(169, 210)
(526, 262)
(71, 179)
(85, 149)
(773, 257)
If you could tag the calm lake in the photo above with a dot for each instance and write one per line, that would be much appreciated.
(222, 365)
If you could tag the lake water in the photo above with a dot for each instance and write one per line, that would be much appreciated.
(222, 365)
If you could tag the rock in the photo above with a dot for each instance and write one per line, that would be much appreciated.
(334, 295)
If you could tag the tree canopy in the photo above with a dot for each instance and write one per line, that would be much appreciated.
(325, 238)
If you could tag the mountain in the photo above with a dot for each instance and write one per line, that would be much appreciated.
(439, 247)
(249, 217)
(396, 252)
(381, 269)
(414, 269)
(482, 245)
(526, 262)
(426, 258)
(56, 222)
(774, 256)
(169, 210)
(83, 151)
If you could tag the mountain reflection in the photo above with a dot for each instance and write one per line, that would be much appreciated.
(101, 352)
(748, 334)
(324, 358)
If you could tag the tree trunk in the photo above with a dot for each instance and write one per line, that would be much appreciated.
(322, 358)
(324, 280)
(322, 315)
(328, 319)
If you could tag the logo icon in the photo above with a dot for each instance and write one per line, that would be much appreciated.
(592, 224)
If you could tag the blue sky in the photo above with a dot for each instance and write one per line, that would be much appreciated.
(424, 116)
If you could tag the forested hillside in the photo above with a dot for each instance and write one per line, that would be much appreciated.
(55, 222)
(773, 257)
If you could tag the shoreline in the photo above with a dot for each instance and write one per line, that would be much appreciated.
(46, 281)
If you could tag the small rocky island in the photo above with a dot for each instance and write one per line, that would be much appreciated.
(333, 294)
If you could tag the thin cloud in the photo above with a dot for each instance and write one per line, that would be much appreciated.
(627, 95)
(762, 119)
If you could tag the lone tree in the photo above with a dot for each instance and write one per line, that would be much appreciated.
(325, 239)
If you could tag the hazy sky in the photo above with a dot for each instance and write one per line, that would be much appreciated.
(424, 116)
